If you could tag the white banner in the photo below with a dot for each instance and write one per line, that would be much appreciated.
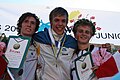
(107, 23)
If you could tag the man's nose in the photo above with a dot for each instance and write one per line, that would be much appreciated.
(60, 22)
(29, 24)
(83, 32)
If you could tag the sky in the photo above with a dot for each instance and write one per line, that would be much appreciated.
(107, 5)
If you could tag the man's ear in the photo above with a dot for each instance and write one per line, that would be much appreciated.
(75, 36)
(51, 24)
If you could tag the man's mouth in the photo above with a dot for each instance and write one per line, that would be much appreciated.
(59, 28)
(83, 37)
(27, 29)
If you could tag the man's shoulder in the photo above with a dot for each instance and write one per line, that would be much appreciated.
(42, 36)
(41, 33)
(70, 38)
(71, 41)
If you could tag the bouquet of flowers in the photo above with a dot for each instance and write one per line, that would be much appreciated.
(3, 60)
(2, 48)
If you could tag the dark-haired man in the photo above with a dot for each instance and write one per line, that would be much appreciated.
(27, 25)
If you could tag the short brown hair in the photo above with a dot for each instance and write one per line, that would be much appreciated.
(58, 11)
(84, 22)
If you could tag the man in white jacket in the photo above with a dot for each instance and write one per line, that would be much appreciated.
(27, 25)
(56, 47)
(84, 30)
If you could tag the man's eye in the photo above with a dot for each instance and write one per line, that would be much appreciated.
(87, 32)
(80, 31)
(63, 21)
(33, 22)
(56, 20)
(25, 21)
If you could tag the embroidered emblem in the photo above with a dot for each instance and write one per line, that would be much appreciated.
(64, 49)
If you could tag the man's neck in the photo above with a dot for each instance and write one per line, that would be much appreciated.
(83, 46)
(56, 36)
(26, 36)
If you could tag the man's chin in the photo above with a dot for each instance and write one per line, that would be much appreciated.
(84, 42)
(29, 35)
(60, 33)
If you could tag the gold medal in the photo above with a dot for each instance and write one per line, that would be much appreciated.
(16, 46)
(83, 65)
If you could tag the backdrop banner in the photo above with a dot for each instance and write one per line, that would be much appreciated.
(107, 29)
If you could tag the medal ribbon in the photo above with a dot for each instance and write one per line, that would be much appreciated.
(37, 46)
(18, 40)
(60, 44)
